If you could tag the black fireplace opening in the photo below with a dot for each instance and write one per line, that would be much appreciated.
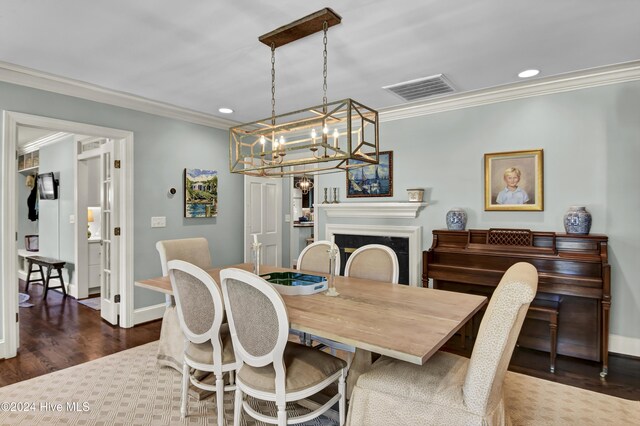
(400, 245)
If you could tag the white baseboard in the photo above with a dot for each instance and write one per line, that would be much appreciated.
(149, 313)
(3, 352)
(624, 345)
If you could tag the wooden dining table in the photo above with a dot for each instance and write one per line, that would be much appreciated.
(399, 321)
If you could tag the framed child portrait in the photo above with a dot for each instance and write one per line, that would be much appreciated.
(513, 181)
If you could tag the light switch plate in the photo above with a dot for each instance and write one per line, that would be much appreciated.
(72, 218)
(158, 222)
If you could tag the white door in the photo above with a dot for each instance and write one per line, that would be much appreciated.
(263, 217)
(109, 288)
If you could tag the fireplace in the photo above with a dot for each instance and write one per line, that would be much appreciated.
(406, 241)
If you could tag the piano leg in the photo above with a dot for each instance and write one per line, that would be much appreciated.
(606, 306)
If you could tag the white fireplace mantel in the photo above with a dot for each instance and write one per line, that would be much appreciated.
(379, 210)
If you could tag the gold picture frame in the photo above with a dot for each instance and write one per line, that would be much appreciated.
(513, 181)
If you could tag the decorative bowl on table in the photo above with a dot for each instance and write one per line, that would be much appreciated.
(295, 283)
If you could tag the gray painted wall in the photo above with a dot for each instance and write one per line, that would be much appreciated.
(162, 149)
(591, 142)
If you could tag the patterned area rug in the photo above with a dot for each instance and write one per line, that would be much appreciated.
(93, 303)
(533, 401)
(128, 388)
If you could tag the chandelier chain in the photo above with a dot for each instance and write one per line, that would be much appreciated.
(273, 83)
(325, 27)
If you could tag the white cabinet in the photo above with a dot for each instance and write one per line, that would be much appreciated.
(95, 268)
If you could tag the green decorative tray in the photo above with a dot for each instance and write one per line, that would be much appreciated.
(295, 283)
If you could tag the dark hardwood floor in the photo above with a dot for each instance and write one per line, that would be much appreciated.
(622, 381)
(59, 333)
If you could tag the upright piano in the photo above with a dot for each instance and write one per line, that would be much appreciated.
(573, 271)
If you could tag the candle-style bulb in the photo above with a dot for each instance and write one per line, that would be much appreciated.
(313, 133)
(263, 140)
(281, 140)
(325, 130)
(336, 133)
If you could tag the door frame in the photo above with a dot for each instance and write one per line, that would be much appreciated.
(8, 217)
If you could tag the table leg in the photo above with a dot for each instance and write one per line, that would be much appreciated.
(361, 362)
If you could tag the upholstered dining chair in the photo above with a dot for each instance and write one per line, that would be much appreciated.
(207, 342)
(315, 258)
(192, 250)
(271, 368)
(450, 389)
(374, 262)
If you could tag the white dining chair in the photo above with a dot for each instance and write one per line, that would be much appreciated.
(449, 389)
(375, 262)
(207, 341)
(315, 258)
(271, 367)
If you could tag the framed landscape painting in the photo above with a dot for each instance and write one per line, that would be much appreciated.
(200, 193)
(513, 180)
(372, 180)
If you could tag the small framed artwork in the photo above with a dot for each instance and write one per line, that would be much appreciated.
(513, 181)
(372, 180)
(200, 193)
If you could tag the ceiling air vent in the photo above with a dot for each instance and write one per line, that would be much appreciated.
(421, 87)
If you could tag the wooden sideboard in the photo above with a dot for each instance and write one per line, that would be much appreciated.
(573, 271)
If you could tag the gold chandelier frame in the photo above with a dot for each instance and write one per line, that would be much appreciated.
(319, 139)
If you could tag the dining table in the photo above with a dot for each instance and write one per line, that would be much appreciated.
(399, 321)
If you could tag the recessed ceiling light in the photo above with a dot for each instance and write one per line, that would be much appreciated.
(528, 73)
(225, 110)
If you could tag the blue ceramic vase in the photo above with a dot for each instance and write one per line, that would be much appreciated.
(456, 219)
(577, 220)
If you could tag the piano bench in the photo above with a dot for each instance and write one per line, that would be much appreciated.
(547, 310)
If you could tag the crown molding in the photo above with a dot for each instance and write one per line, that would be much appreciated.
(22, 76)
(39, 143)
(593, 77)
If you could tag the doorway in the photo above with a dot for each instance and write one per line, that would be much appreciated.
(119, 286)
(302, 204)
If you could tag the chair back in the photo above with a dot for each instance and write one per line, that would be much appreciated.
(198, 302)
(374, 262)
(497, 337)
(315, 258)
(192, 250)
(258, 320)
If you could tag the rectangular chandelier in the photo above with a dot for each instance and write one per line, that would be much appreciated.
(321, 139)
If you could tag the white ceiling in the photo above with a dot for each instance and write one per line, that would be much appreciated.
(203, 55)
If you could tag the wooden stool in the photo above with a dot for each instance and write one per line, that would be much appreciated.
(547, 310)
(50, 263)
